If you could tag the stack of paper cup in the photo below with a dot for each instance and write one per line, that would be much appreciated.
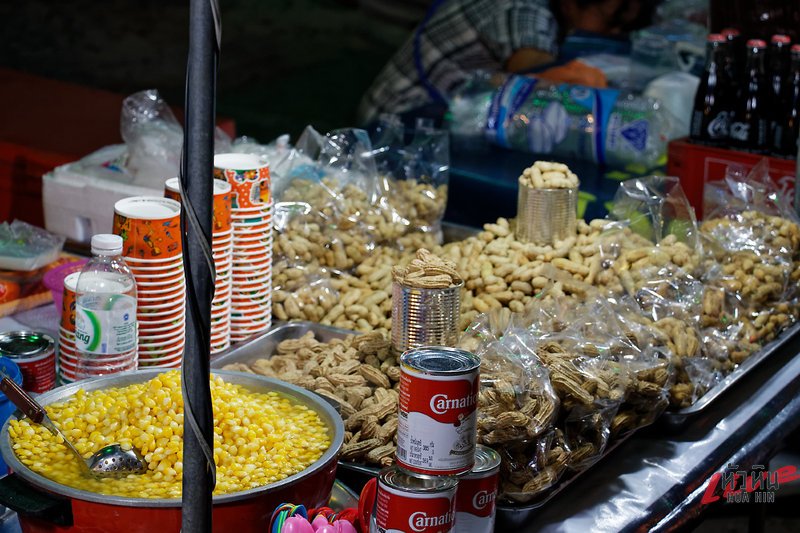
(251, 215)
(222, 248)
(67, 357)
(150, 231)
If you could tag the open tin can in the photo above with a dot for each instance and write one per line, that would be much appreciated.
(546, 215)
(35, 355)
(425, 317)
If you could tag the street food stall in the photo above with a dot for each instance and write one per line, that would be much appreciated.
(563, 319)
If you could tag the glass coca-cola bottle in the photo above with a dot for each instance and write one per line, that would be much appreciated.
(749, 127)
(787, 129)
(713, 99)
(735, 57)
(777, 72)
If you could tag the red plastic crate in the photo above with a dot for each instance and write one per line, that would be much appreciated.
(695, 165)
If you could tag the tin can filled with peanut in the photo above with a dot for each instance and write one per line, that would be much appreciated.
(436, 430)
(547, 203)
(475, 497)
(426, 303)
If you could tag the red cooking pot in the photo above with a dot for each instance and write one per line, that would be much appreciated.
(46, 506)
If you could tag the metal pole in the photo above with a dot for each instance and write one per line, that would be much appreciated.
(196, 226)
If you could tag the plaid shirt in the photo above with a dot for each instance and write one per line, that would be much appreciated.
(457, 38)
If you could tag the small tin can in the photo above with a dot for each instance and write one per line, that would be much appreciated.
(437, 425)
(477, 491)
(413, 503)
(34, 353)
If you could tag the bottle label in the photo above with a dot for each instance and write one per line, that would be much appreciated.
(105, 324)
(566, 119)
(505, 102)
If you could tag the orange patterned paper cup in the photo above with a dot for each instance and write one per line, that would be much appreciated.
(68, 302)
(172, 189)
(149, 227)
(223, 195)
(248, 175)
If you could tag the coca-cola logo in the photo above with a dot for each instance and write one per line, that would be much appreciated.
(482, 499)
(718, 127)
(740, 131)
(420, 521)
(441, 403)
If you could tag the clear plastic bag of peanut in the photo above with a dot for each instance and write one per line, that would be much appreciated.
(529, 474)
(621, 340)
(660, 272)
(516, 402)
(752, 263)
(414, 166)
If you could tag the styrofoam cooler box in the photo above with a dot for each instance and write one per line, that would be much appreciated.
(79, 197)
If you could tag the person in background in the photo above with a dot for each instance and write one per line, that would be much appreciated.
(458, 37)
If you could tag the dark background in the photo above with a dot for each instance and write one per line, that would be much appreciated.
(284, 63)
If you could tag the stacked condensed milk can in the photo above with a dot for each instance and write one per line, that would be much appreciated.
(442, 480)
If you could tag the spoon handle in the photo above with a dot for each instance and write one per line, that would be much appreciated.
(22, 400)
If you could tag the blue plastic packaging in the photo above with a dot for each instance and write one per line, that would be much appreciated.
(6, 407)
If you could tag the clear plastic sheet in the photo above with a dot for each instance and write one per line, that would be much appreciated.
(154, 139)
(26, 247)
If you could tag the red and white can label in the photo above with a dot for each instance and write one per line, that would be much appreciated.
(404, 512)
(436, 430)
(38, 373)
(475, 502)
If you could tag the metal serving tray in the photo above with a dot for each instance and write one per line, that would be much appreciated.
(356, 475)
(508, 515)
(266, 344)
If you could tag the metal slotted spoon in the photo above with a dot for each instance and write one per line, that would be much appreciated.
(109, 461)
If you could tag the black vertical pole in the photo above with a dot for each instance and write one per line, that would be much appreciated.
(196, 226)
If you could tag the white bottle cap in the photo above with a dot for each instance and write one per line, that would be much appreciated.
(106, 244)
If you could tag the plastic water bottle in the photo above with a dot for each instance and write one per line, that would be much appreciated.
(105, 313)
(570, 121)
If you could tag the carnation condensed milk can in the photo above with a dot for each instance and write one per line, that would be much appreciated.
(477, 491)
(436, 430)
(413, 503)
(34, 354)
